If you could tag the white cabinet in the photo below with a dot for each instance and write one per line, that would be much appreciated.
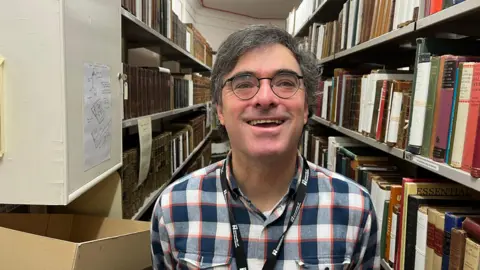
(62, 99)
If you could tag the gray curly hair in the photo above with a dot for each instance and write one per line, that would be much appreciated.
(252, 37)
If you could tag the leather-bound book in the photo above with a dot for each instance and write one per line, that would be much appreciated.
(457, 249)
(472, 226)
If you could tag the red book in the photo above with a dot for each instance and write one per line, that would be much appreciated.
(381, 109)
(472, 226)
(448, 78)
(472, 121)
(435, 6)
(476, 150)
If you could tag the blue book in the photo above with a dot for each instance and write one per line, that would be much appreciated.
(453, 114)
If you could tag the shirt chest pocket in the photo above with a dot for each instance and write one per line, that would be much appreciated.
(190, 260)
(325, 263)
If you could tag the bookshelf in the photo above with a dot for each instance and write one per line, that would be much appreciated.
(399, 44)
(404, 33)
(138, 34)
(466, 12)
(327, 11)
(359, 137)
(153, 197)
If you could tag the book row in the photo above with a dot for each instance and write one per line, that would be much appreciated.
(150, 90)
(160, 16)
(360, 21)
(159, 160)
(375, 105)
(423, 223)
(427, 111)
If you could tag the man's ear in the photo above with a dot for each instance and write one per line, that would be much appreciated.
(220, 114)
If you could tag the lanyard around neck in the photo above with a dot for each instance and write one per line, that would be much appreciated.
(237, 238)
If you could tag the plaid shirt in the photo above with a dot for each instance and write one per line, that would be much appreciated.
(336, 227)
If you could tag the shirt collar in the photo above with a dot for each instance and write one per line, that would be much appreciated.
(235, 190)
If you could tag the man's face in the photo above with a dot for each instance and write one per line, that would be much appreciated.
(240, 117)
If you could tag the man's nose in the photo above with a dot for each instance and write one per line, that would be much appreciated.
(265, 95)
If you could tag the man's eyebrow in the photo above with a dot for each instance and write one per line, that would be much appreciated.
(249, 72)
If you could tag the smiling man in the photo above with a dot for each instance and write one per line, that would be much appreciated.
(264, 206)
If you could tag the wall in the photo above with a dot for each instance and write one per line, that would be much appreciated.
(214, 25)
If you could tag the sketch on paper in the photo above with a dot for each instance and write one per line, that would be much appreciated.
(97, 127)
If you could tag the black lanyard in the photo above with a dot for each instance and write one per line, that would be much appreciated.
(237, 238)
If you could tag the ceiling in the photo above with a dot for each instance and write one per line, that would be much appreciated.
(258, 9)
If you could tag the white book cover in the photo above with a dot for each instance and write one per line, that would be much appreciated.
(371, 89)
(463, 106)
(363, 107)
(420, 104)
(345, 29)
(326, 85)
(321, 34)
(352, 22)
(379, 196)
(139, 9)
(394, 121)
(421, 239)
(169, 19)
(397, 15)
(359, 22)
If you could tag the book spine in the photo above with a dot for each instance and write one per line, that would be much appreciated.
(472, 254)
(453, 115)
(421, 238)
(472, 121)
(451, 221)
(476, 152)
(395, 199)
(446, 98)
(472, 228)
(410, 233)
(429, 111)
(460, 121)
(420, 94)
(381, 109)
(436, 108)
(457, 249)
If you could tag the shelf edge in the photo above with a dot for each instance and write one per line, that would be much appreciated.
(134, 121)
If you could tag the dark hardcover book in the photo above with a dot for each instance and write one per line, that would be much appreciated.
(472, 226)
(457, 249)
(376, 105)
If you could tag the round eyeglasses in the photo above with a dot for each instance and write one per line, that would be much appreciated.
(283, 84)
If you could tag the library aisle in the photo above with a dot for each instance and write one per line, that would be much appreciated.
(103, 104)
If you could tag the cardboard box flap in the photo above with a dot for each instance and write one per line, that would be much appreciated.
(87, 228)
(54, 226)
(120, 253)
(29, 223)
(21, 250)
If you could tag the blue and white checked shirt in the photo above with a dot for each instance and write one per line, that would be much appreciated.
(336, 227)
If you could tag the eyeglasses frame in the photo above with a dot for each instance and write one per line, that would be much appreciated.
(299, 77)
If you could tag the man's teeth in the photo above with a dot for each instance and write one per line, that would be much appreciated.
(257, 122)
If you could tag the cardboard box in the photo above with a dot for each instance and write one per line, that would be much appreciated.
(77, 242)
